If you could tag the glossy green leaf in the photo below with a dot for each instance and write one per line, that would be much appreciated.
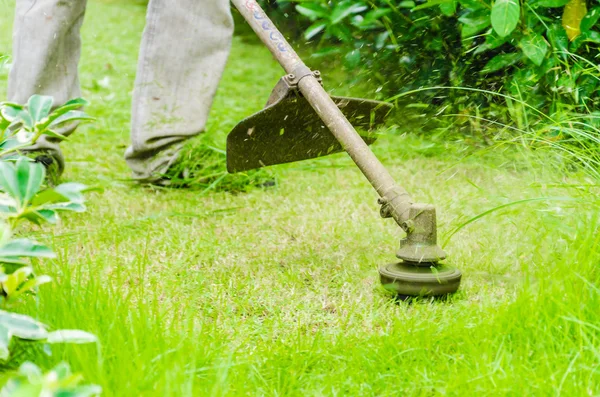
(10, 143)
(73, 191)
(25, 248)
(31, 284)
(19, 388)
(314, 30)
(591, 36)
(3, 124)
(10, 111)
(5, 337)
(30, 176)
(9, 183)
(59, 382)
(590, 19)
(40, 216)
(26, 120)
(74, 104)
(505, 16)
(381, 39)
(448, 9)
(22, 326)
(474, 23)
(501, 61)
(71, 336)
(346, 8)
(54, 134)
(372, 19)
(8, 206)
(70, 206)
(70, 116)
(39, 107)
(49, 196)
(403, 4)
(534, 47)
(11, 282)
(342, 32)
(492, 41)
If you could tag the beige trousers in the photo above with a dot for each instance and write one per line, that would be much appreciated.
(183, 53)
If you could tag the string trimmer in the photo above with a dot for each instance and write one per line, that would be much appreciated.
(301, 121)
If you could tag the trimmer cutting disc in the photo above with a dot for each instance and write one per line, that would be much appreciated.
(405, 278)
(290, 130)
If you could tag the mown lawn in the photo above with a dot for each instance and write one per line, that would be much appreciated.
(276, 292)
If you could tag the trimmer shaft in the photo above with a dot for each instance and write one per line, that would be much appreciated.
(290, 131)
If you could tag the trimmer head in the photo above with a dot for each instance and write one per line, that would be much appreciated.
(289, 130)
(412, 279)
(419, 273)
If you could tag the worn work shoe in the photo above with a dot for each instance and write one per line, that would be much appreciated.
(53, 168)
(202, 166)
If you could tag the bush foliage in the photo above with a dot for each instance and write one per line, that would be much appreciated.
(543, 51)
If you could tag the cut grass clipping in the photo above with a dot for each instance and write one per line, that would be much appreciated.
(203, 166)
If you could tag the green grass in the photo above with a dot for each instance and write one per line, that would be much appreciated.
(202, 166)
(275, 292)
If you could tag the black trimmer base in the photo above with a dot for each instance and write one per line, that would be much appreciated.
(407, 279)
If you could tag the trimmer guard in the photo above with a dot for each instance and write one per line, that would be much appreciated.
(290, 130)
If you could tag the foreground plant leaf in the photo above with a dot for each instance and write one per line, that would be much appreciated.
(505, 16)
(11, 282)
(5, 337)
(20, 282)
(14, 250)
(71, 336)
(22, 326)
(9, 183)
(30, 176)
(70, 116)
(534, 47)
(59, 382)
(590, 19)
(39, 107)
(73, 104)
(25, 327)
(501, 61)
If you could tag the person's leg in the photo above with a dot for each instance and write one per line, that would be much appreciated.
(46, 50)
(182, 57)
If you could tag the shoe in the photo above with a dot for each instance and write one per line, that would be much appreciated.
(45, 158)
(53, 169)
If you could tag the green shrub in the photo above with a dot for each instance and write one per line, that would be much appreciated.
(545, 51)
(24, 198)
